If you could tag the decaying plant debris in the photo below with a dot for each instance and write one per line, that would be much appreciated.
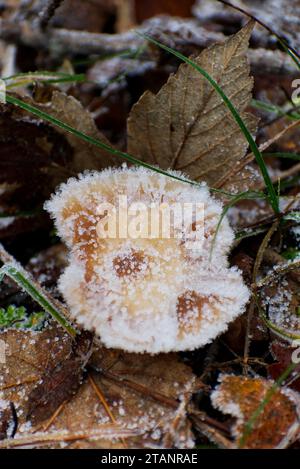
(91, 85)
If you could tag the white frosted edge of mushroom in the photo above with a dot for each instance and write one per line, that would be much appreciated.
(146, 295)
(152, 331)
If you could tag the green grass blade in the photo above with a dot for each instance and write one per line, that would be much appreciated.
(291, 156)
(249, 195)
(248, 233)
(24, 213)
(98, 143)
(93, 141)
(290, 113)
(21, 279)
(273, 198)
(22, 79)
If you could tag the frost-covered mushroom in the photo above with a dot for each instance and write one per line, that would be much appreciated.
(145, 294)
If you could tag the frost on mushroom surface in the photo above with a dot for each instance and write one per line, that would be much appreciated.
(145, 295)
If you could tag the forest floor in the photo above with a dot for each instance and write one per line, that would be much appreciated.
(193, 86)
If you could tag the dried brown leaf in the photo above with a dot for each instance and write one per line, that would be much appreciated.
(59, 381)
(36, 156)
(28, 149)
(144, 393)
(277, 424)
(85, 156)
(187, 126)
(41, 370)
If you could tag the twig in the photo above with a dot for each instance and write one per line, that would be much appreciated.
(48, 12)
(262, 248)
(45, 427)
(272, 257)
(63, 41)
(257, 264)
(287, 173)
(154, 395)
(250, 157)
(279, 270)
(212, 433)
(106, 431)
(103, 401)
(264, 146)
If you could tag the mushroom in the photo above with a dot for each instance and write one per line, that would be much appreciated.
(146, 293)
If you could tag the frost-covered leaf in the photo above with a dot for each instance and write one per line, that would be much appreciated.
(30, 359)
(277, 424)
(59, 381)
(147, 393)
(187, 126)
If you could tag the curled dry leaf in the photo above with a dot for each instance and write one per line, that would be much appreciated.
(278, 423)
(187, 126)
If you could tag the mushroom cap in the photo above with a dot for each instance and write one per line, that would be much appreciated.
(146, 294)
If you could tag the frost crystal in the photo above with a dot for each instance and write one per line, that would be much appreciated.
(145, 295)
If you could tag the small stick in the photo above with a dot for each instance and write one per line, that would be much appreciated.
(104, 403)
(101, 432)
(48, 12)
(64, 41)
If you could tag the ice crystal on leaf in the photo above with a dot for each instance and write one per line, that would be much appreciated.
(145, 294)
